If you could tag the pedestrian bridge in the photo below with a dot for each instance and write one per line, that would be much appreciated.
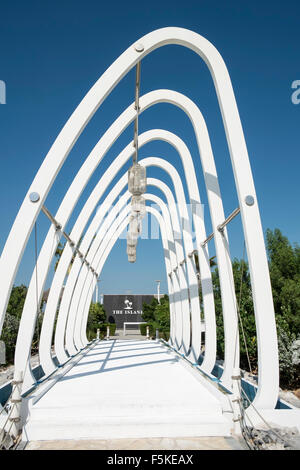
(131, 388)
(126, 389)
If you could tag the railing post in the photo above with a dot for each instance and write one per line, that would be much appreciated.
(236, 400)
(107, 333)
(147, 332)
(157, 334)
(98, 333)
(16, 401)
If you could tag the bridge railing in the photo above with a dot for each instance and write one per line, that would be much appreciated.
(10, 420)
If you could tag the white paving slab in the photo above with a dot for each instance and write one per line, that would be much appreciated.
(126, 389)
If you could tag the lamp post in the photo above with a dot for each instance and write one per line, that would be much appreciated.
(97, 291)
(158, 291)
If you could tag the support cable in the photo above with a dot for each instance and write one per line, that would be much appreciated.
(137, 108)
(58, 227)
(36, 283)
(248, 432)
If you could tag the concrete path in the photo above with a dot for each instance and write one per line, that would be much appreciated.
(127, 390)
(166, 443)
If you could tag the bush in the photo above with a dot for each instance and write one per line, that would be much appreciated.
(96, 319)
(157, 316)
(143, 329)
(103, 329)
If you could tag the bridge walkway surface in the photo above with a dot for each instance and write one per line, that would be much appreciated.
(126, 389)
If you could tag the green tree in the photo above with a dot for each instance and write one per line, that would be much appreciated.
(244, 299)
(9, 335)
(158, 315)
(16, 301)
(149, 309)
(12, 319)
(96, 318)
(162, 315)
(284, 265)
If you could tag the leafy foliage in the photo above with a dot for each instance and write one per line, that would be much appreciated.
(96, 319)
(9, 335)
(16, 301)
(284, 265)
(149, 309)
(157, 315)
(12, 320)
(244, 298)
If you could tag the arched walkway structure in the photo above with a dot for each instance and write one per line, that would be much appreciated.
(33, 203)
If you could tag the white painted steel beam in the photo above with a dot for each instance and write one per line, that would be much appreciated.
(61, 272)
(264, 311)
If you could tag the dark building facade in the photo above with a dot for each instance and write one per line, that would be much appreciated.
(125, 308)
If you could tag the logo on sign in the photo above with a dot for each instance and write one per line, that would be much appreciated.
(128, 305)
(128, 309)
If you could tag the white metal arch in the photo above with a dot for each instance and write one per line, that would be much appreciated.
(109, 246)
(85, 280)
(214, 198)
(68, 203)
(59, 334)
(61, 271)
(28, 316)
(73, 332)
(190, 265)
(94, 250)
(264, 311)
(67, 294)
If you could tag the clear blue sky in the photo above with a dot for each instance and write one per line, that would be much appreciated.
(52, 52)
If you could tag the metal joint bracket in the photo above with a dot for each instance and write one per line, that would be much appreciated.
(16, 382)
(237, 419)
(237, 400)
(15, 420)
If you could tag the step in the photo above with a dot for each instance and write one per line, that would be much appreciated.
(196, 425)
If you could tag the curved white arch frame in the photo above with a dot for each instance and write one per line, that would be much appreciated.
(65, 260)
(78, 298)
(188, 240)
(61, 271)
(72, 279)
(109, 246)
(179, 283)
(210, 178)
(264, 311)
(28, 319)
(173, 251)
(107, 177)
(86, 279)
(210, 321)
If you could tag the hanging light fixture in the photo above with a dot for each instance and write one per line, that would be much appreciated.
(134, 226)
(132, 258)
(137, 183)
(131, 239)
(138, 206)
(131, 250)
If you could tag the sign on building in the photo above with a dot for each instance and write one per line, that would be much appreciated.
(124, 308)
